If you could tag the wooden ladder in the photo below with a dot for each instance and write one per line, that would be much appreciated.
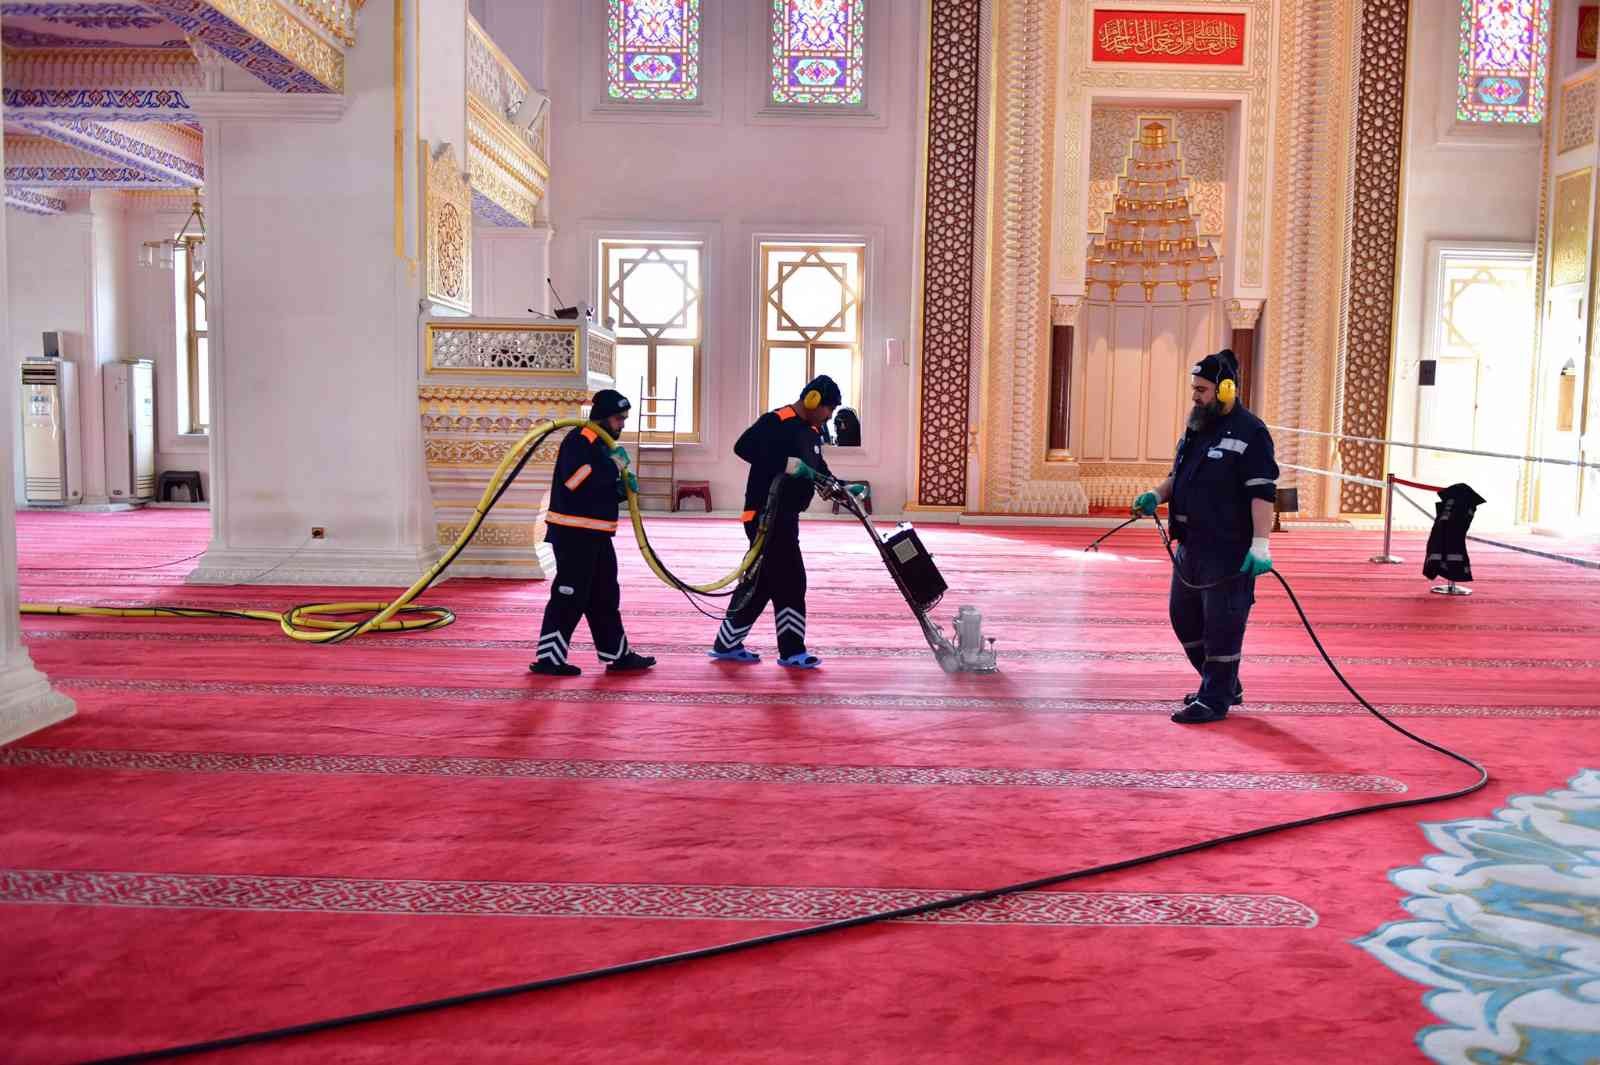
(655, 462)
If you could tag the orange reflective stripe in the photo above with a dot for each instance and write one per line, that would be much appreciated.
(748, 515)
(574, 522)
(578, 477)
(590, 435)
(785, 413)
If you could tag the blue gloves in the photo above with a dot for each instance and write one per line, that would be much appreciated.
(857, 490)
(620, 454)
(626, 482)
(1145, 505)
(1259, 560)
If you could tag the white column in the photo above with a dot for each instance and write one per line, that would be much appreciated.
(313, 335)
(108, 331)
(27, 703)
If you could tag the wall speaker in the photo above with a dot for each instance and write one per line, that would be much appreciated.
(52, 345)
(895, 351)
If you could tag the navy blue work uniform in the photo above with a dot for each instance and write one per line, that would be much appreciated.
(584, 504)
(1215, 476)
(767, 446)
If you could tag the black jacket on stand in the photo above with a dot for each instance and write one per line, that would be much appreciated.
(1447, 543)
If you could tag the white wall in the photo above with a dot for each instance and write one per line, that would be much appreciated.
(48, 261)
(1476, 183)
(730, 176)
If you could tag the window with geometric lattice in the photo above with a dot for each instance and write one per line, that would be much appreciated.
(194, 335)
(653, 50)
(811, 319)
(653, 302)
(818, 52)
(1505, 47)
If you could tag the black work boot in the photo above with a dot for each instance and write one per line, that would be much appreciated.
(546, 668)
(631, 663)
(1198, 713)
(1238, 696)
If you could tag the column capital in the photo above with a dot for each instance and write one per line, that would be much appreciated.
(1243, 314)
(1064, 309)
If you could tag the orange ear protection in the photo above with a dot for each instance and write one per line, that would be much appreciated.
(811, 400)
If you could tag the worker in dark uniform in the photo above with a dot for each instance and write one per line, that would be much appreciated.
(786, 441)
(590, 481)
(1221, 490)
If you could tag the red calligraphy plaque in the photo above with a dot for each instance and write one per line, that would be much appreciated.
(1188, 38)
(1588, 30)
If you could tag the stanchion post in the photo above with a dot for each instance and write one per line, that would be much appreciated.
(1387, 559)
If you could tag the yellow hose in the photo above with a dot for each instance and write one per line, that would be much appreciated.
(310, 624)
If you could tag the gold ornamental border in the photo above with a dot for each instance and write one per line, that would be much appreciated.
(458, 393)
(501, 141)
(531, 327)
(280, 29)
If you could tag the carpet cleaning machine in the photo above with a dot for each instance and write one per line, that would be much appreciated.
(919, 582)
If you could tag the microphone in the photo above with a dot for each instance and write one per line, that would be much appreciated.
(561, 312)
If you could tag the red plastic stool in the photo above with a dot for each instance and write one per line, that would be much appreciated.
(692, 490)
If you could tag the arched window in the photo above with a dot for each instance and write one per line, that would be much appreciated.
(818, 54)
(653, 50)
(1505, 47)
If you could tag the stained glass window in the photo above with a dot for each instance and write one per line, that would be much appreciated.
(1505, 46)
(817, 51)
(653, 50)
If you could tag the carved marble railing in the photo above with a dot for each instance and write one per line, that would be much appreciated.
(507, 161)
(484, 384)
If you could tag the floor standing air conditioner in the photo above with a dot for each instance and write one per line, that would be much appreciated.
(50, 456)
(130, 395)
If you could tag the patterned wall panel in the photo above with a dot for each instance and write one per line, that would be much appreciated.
(1380, 132)
(1577, 114)
(1569, 229)
(449, 230)
(949, 229)
(1202, 135)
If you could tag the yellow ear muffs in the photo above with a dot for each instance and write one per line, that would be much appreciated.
(1227, 391)
(811, 400)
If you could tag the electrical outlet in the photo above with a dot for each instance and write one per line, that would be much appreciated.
(318, 533)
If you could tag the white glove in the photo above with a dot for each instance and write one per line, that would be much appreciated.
(1259, 548)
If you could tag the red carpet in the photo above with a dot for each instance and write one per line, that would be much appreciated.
(239, 832)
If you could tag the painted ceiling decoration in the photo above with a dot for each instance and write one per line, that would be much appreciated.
(99, 94)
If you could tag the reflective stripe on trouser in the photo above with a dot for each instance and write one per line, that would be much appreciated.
(1211, 624)
(782, 582)
(585, 585)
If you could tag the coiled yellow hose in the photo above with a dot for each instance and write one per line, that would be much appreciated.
(315, 622)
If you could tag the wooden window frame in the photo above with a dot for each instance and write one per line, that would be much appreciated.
(653, 343)
(194, 286)
(763, 250)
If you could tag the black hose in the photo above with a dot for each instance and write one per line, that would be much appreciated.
(587, 975)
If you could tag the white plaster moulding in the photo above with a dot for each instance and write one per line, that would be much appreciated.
(268, 106)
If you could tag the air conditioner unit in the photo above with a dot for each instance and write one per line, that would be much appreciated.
(51, 459)
(130, 396)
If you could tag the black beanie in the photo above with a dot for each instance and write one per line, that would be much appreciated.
(831, 396)
(1223, 366)
(608, 401)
